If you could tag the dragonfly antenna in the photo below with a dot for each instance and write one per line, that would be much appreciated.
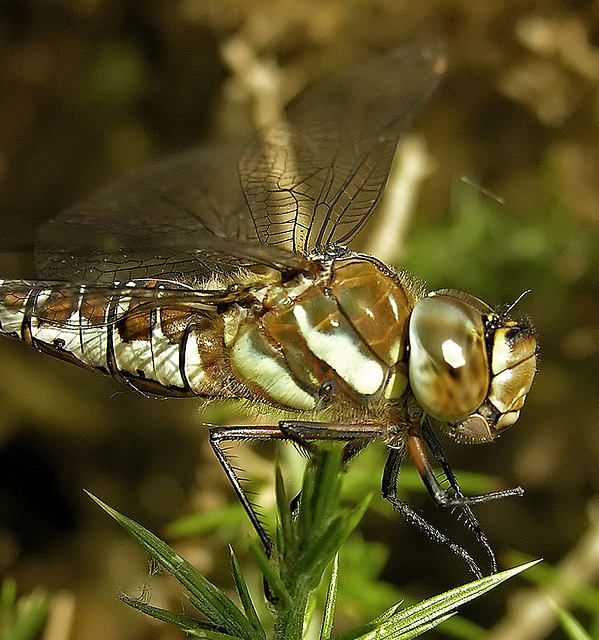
(516, 301)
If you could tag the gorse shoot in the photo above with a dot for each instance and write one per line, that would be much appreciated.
(306, 546)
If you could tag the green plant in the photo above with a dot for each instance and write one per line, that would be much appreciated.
(21, 618)
(572, 628)
(306, 545)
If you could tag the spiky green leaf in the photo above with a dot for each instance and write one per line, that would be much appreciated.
(215, 605)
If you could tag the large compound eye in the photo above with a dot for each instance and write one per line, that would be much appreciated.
(449, 367)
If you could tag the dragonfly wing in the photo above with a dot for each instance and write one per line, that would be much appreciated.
(178, 217)
(314, 180)
(309, 183)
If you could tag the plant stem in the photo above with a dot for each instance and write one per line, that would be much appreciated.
(308, 541)
(289, 623)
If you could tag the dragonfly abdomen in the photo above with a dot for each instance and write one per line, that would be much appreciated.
(53, 321)
(155, 348)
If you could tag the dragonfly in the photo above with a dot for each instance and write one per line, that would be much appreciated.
(219, 274)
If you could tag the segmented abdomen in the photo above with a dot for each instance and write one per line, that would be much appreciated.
(163, 350)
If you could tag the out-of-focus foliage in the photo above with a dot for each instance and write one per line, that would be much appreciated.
(21, 618)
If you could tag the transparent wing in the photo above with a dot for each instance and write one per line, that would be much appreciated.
(310, 183)
(64, 304)
(315, 180)
(176, 218)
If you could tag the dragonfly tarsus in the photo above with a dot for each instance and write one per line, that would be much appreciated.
(432, 442)
(389, 490)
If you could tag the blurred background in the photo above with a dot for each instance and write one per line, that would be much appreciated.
(509, 202)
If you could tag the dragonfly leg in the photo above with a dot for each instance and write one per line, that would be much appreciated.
(389, 491)
(306, 432)
(302, 433)
(459, 498)
(456, 497)
(421, 434)
(224, 434)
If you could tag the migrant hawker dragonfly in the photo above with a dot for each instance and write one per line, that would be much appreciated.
(214, 276)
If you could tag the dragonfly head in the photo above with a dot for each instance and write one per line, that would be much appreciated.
(469, 367)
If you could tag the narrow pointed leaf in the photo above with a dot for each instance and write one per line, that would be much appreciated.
(421, 628)
(287, 529)
(331, 602)
(448, 601)
(391, 611)
(185, 623)
(281, 541)
(244, 596)
(303, 520)
(407, 620)
(338, 532)
(323, 547)
(358, 513)
(278, 588)
(215, 605)
(325, 499)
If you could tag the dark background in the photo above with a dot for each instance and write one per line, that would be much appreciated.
(89, 88)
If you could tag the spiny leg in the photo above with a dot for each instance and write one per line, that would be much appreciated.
(307, 432)
(453, 497)
(301, 433)
(220, 434)
(389, 491)
(420, 436)
(458, 499)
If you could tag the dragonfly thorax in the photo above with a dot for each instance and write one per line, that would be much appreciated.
(340, 336)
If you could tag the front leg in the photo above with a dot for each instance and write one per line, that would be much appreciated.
(420, 436)
(389, 491)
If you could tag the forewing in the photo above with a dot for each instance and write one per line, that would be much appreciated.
(311, 183)
(61, 303)
(177, 218)
(314, 180)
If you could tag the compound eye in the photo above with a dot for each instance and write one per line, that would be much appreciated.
(449, 367)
